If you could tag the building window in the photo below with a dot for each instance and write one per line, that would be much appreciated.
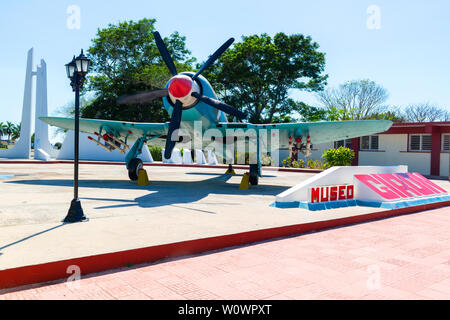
(420, 142)
(369, 143)
(446, 142)
(343, 143)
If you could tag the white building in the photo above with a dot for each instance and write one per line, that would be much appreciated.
(424, 147)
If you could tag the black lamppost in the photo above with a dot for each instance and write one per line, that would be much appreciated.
(77, 70)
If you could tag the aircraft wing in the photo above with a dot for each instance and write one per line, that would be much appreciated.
(320, 132)
(118, 128)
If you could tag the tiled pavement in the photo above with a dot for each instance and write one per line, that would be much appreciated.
(406, 257)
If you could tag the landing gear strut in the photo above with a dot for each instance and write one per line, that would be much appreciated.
(134, 164)
(133, 168)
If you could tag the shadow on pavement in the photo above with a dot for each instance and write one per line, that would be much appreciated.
(31, 236)
(164, 193)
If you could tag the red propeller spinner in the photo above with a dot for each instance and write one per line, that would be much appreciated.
(181, 88)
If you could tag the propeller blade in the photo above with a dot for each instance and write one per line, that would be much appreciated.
(214, 57)
(220, 105)
(174, 125)
(165, 53)
(143, 97)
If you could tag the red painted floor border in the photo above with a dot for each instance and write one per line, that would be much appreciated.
(51, 271)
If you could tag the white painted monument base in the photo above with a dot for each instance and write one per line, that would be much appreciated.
(175, 158)
(212, 159)
(200, 157)
(187, 157)
(40, 154)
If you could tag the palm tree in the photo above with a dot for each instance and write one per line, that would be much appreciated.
(15, 134)
(2, 129)
(9, 129)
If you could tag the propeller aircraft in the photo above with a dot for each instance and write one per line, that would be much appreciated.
(189, 98)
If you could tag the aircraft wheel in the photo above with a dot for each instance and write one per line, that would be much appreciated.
(254, 177)
(134, 167)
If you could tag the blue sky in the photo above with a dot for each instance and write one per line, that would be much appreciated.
(409, 54)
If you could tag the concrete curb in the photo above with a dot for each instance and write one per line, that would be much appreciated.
(57, 270)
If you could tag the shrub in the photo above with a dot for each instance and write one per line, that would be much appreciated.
(238, 156)
(156, 152)
(291, 163)
(310, 164)
(317, 164)
(266, 160)
(339, 157)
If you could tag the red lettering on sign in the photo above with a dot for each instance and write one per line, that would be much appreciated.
(404, 185)
(422, 187)
(394, 183)
(315, 195)
(378, 186)
(412, 186)
(341, 193)
(324, 198)
(350, 192)
(420, 178)
(333, 193)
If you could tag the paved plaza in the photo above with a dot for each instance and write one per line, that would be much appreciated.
(406, 257)
(180, 204)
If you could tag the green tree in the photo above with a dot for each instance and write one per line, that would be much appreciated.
(15, 134)
(393, 115)
(125, 60)
(9, 129)
(2, 129)
(257, 74)
(312, 114)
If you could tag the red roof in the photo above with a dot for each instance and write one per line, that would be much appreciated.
(419, 127)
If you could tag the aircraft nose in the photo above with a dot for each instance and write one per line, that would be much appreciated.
(180, 86)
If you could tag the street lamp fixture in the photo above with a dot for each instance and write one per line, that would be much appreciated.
(77, 70)
(70, 68)
(82, 62)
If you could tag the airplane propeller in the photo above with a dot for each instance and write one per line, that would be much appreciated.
(216, 55)
(175, 121)
(220, 105)
(174, 125)
(165, 53)
(143, 97)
